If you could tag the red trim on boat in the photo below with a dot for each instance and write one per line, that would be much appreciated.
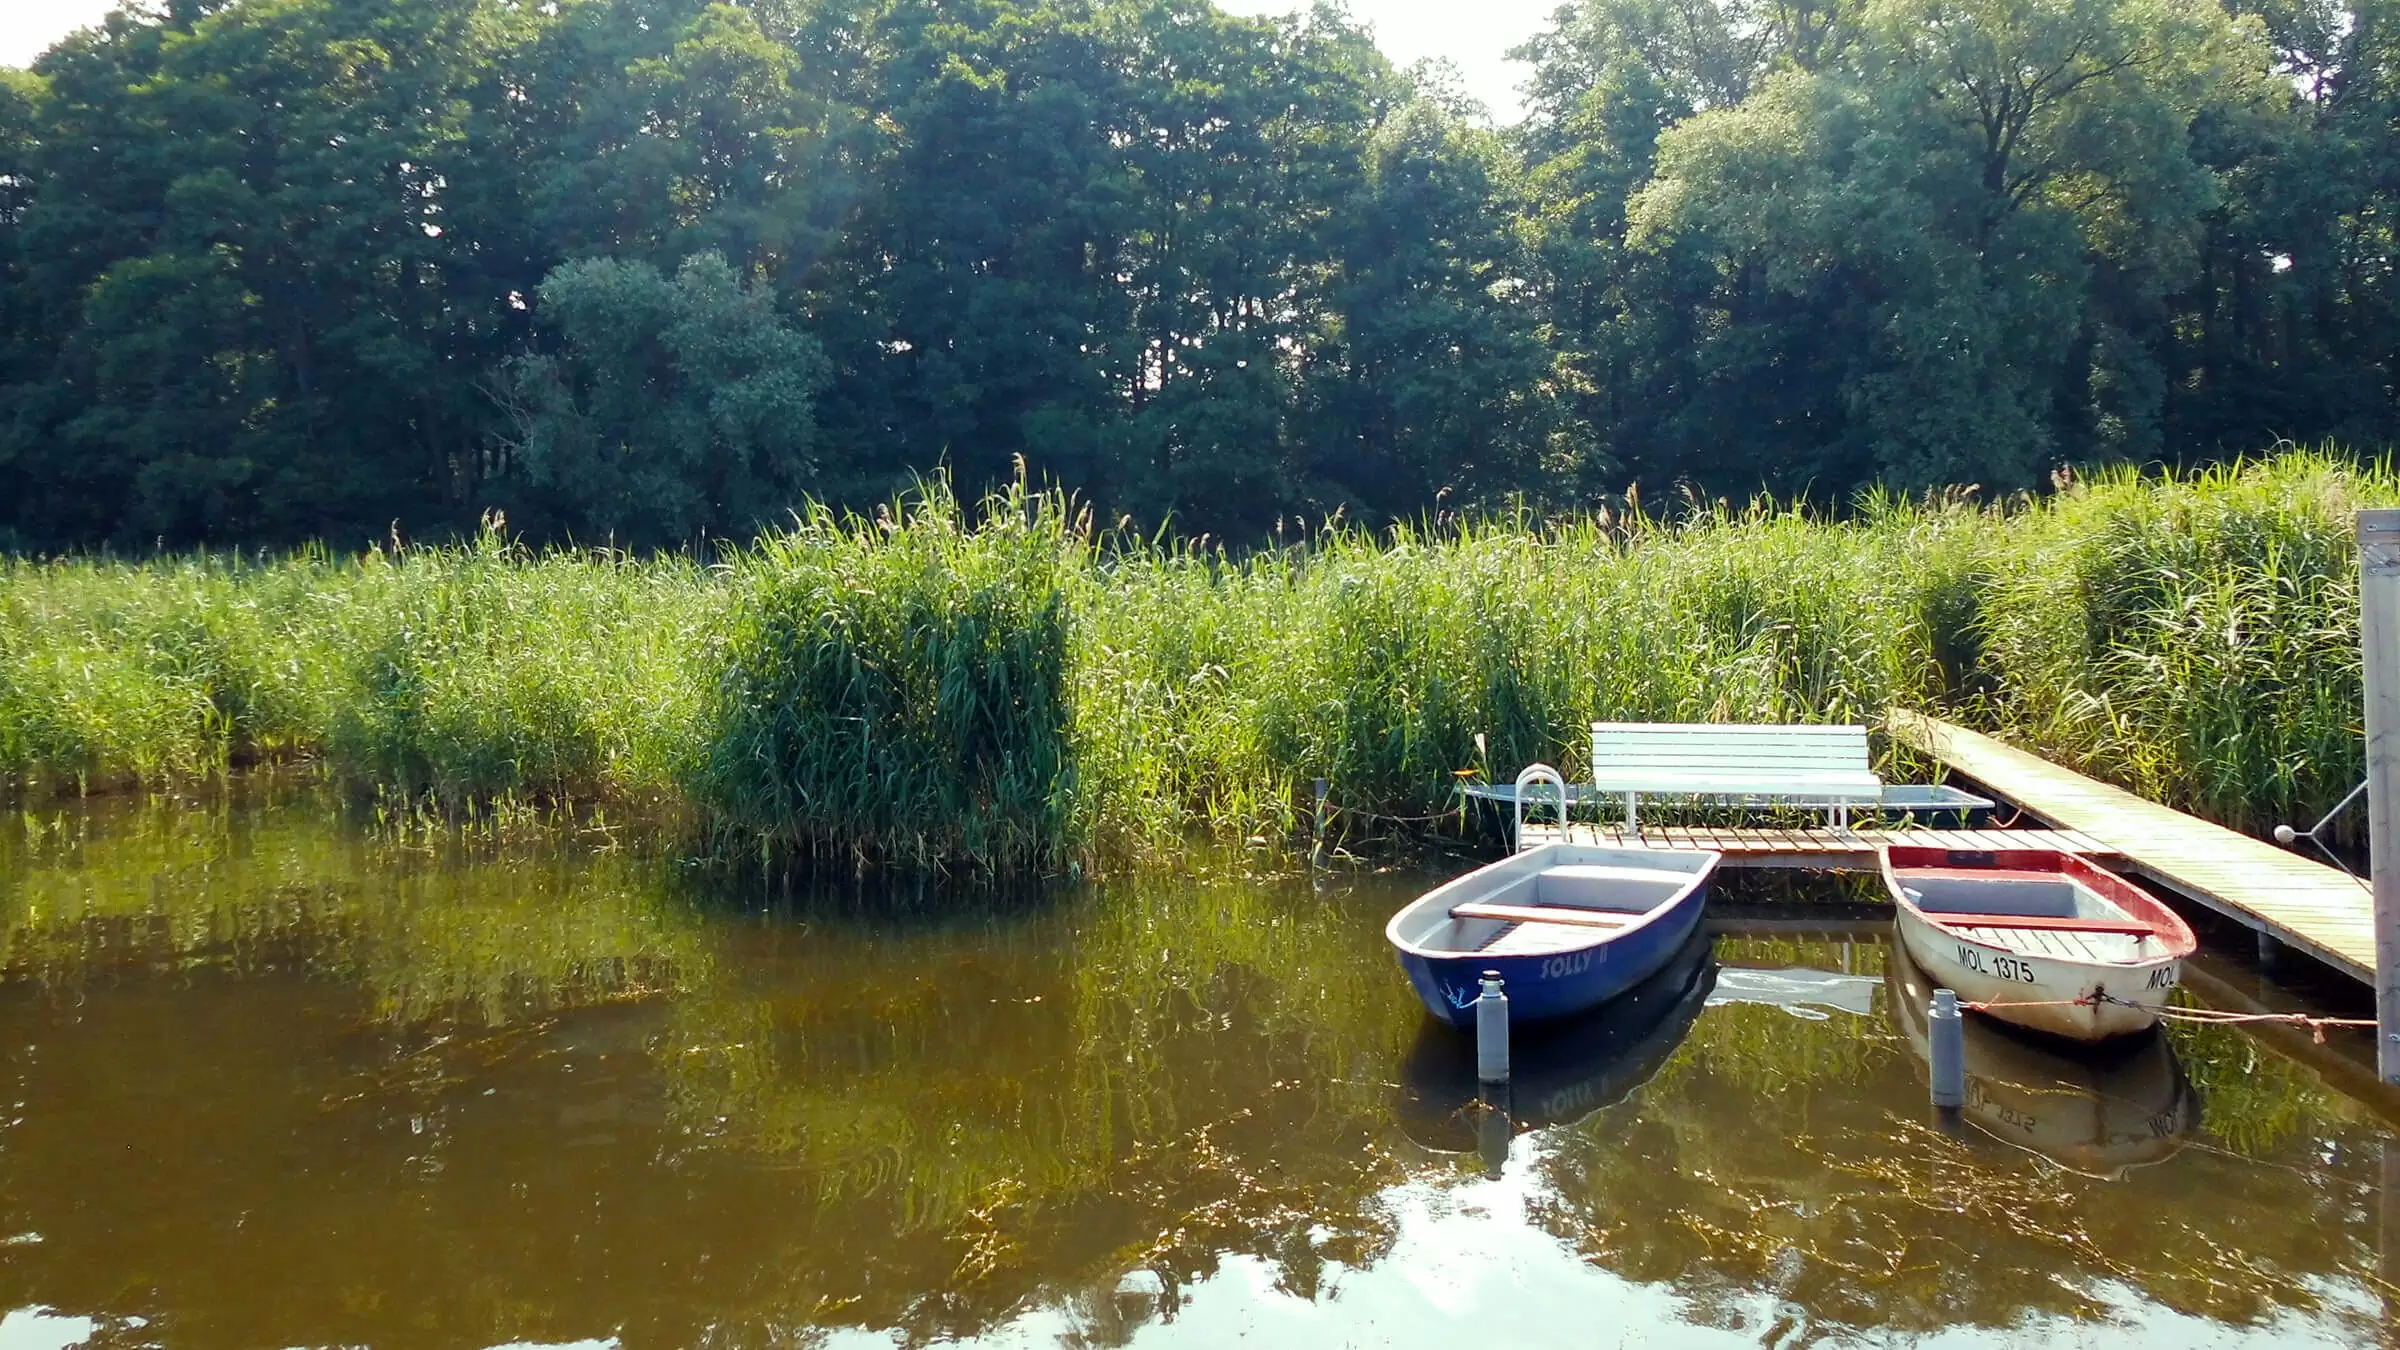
(2034, 865)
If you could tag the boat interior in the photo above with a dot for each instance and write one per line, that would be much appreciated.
(2039, 914)
(1590, 900)
(1966, 891)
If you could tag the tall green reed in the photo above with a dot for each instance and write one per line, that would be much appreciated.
(897, 688)
(2192, 638)
(454, 674)
(998, 686)
(491, 669)
(113, 672)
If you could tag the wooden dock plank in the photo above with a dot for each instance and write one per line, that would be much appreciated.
(2303, 904)
(1814, 847)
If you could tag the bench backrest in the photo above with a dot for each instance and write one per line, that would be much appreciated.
(1680, 749)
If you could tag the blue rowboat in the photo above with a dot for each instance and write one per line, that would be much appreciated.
(1560, 1071)
(1568, 926)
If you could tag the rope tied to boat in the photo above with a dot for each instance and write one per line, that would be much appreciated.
(2201, 1016)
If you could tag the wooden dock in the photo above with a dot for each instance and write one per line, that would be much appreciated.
(2306, 905)
(1824, 849)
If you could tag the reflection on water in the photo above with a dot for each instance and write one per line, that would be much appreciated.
(2091, 1109)
(270, 1081)
(1559, 1072)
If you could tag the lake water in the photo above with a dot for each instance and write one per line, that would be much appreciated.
(269, 1079)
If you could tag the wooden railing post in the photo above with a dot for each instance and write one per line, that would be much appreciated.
(2379, 636)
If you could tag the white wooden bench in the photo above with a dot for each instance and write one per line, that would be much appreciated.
(1813, 767)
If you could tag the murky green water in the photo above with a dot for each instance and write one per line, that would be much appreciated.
(265, 1081)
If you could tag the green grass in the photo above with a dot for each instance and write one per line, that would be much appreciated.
(1005, 687)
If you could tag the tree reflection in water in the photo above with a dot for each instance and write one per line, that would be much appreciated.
(284, 1081)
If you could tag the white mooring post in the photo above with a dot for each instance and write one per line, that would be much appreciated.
(1946, 1028)
(1491, 1031)
(2379, 636)
(1494, 1130)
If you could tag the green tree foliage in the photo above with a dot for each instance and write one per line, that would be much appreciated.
(1929, 242)
(20, 325)
(235, 250)
(283, 269)
(1946, 205)
(288, 268)
(1126, 243)
(673, 407)
(1437, 380)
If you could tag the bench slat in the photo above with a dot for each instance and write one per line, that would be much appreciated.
(1744, 762)
(1735, 728)
(1778, 772)
(1814, 744)
(1756, 784)
(1728, 764)
(1736, 750)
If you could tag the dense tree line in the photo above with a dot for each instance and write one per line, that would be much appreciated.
(657, 269)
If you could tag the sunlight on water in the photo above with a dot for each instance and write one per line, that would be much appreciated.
(41, 1329)
(275, 1080)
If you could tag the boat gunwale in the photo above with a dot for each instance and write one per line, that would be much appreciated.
(2171, 931)
(1440, 895)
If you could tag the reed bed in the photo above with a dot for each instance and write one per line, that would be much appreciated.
(899, 687)
(1005, 687)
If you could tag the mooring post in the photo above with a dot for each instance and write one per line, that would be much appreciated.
(1494, 1129)
(1491, 1031)
(2379, 636)
(1947, 1028)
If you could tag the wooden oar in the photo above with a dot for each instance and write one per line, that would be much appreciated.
(1580, 918)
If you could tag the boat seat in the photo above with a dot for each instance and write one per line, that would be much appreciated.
(1609, 872)
(1534, 939)
(1578, 918)
(2043, 923)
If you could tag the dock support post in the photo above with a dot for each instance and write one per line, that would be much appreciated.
(1491, 1031)
(2379, 635)
(1948, 1032)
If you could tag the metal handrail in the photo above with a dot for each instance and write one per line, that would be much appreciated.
(1538, 773)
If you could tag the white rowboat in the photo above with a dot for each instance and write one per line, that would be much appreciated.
(2046, 940)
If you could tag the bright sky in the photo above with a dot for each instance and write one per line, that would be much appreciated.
(1472, 34)
(29, 26)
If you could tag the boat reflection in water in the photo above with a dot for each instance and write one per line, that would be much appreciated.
(1559, 1072)
(2097, 1110)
